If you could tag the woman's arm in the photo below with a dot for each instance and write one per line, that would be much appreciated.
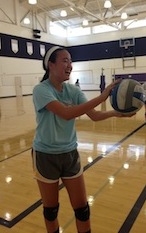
(100, 115)
(70, 112)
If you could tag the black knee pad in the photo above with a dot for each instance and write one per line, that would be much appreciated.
(50, 213)
(83, 213)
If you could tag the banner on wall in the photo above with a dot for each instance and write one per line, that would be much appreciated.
(14, 45)
(42, 50)
(29, 48)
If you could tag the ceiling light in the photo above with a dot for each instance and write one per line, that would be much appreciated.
(32, 2)
(26, 21)
(72, 9)
(85, 22)
(124, 15)
(107, 4)
(63, 13)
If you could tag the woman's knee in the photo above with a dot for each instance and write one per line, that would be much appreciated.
(51, 213)
(83, 213)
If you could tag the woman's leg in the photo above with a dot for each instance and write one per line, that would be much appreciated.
(49, 193)
(77, 194)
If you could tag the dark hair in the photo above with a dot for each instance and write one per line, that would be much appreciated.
(52, 58)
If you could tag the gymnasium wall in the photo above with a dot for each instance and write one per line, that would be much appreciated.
(24, 68)
(21, 66)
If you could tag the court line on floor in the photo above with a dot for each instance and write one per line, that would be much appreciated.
(31, 208)
(128, 223)
(133, 214)
(12, 156)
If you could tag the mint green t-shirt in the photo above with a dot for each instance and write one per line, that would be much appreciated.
(54, 134)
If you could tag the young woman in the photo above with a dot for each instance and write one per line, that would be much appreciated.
(55, 154)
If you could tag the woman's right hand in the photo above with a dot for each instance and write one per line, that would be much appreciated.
(108, 89)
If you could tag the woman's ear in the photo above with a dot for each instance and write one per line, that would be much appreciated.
(50, 65)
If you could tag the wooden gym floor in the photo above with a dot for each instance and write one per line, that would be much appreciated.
(113, 153)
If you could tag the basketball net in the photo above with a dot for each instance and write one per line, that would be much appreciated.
(126, 45)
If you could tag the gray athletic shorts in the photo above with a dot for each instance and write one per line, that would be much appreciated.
(49, 168)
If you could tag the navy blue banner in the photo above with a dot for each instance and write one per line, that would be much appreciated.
(95, 51)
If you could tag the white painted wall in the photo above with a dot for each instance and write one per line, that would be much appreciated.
(30, 72)
(109, 36)
(11, 23)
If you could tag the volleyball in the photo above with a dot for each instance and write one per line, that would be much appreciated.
(127, 96)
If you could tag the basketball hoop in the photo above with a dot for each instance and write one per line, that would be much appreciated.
(126, 44)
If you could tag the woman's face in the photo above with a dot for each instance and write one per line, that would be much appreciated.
(61, 69)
